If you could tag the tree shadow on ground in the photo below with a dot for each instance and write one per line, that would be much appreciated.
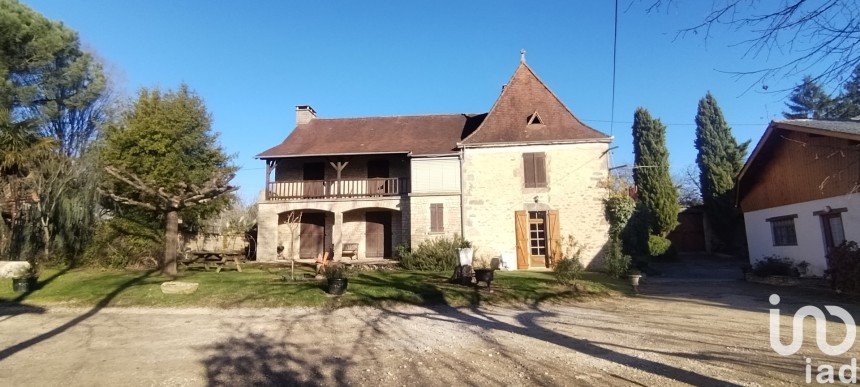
(105, 301)
(283, 358)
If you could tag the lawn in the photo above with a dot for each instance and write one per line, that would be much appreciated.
(256, 287)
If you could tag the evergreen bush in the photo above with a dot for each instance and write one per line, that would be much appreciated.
(439, 254)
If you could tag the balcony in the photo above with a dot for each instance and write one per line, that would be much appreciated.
(336, 189)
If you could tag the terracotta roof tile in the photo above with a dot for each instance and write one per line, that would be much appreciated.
(525, 94)
(419, 135)
(507, 122)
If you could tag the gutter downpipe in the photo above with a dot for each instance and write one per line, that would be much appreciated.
(462, 207)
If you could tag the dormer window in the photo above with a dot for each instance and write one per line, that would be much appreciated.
(534, 119)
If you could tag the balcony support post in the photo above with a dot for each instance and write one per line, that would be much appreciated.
(337, 236)
(268, 179)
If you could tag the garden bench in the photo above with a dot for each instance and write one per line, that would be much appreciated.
(351, 250)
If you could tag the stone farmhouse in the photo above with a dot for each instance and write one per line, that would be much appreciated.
(516, 181)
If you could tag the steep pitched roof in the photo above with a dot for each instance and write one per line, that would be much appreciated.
(509, 119)
(418, 135)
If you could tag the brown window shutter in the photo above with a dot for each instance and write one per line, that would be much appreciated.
(436, 221)
(521, 222)
(529, 169)
(540, 170)
(554, 232)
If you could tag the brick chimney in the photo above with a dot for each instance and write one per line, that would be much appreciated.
(304, 114)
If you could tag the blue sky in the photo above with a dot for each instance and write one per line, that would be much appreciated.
(254, 61)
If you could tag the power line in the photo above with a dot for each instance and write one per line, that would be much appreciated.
(614, 55)
(685, 124)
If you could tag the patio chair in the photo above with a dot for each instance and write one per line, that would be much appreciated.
(322, 261)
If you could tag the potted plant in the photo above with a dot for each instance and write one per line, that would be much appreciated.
(336, 278)
(634, 276)
(465, 252)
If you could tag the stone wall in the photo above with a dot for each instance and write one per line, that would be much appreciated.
(493, 189)
(420, 217)
(350, 213)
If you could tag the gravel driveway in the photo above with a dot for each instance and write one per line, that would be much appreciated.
(707, 333)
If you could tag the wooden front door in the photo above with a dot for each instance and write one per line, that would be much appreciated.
(538, 243)
(834, 234)
(538, 238)
(313, 175)
(312, 234)
(378, 234)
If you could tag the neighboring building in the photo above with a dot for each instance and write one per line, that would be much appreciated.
(513, 181)
(799, 190)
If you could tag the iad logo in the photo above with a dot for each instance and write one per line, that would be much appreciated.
(820, 329)
(826, 372)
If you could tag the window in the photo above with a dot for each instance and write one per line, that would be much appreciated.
(783, 231)
(534, 119)
(537, 233)
(534, 170)
(436, 220)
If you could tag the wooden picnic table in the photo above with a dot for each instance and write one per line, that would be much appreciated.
(217, 258)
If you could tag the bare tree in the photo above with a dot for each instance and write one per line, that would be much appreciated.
(293, 221)
(169, 204)
(689, 186)
(811, 33)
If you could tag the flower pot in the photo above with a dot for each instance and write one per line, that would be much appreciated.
(634, 279)
(24, 285)
(466, 255)
(337, 286)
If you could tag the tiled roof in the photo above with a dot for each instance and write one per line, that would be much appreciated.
(419, 135)
(511, 120)
(525, 95)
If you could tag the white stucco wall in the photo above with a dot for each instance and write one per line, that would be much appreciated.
(493, 190)
(810, 237)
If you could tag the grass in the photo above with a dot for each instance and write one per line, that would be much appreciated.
(272, 288)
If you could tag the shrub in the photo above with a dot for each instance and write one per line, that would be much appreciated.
(335, 271)
(843, 265)
(120, 243)
(658, 246)
(569, 267)
(567, 270)
(774, 265)
(439, 254)
(617, 263)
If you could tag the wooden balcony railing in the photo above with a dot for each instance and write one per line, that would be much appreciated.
(344, 188)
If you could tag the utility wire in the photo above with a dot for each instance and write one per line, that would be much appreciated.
(614, 54)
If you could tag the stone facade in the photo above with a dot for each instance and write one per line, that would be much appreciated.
(344, 218)
(420, 217)
(493, 189)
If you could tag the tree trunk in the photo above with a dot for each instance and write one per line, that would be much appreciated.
(171, 234)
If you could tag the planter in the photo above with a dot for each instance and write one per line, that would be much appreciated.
(466, 255)
(634, 279)
(24, 285)
(337, 286)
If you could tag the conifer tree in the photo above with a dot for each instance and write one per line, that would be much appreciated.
(720, 159)
(657, 194)
(848, 104)
(808, 100)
